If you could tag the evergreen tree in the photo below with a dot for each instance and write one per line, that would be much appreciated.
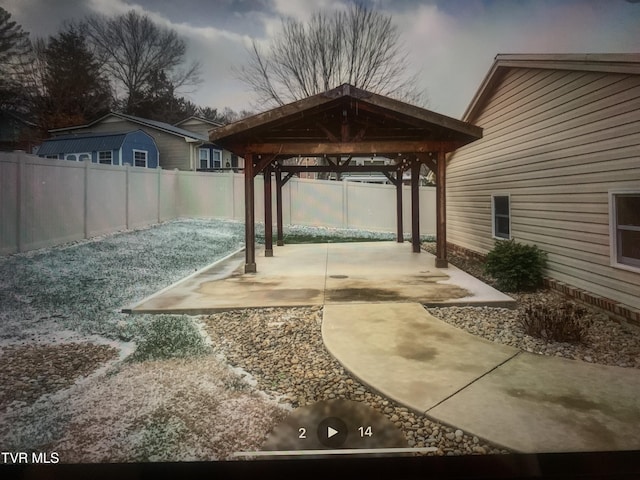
(75, 89)
(15, 50)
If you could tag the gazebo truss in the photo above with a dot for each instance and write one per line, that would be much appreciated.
(339, 125)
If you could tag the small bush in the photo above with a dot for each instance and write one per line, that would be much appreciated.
(516, 266)
(170, 336)
(559, 322)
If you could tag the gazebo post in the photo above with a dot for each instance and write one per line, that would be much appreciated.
(280, 239)
(268, 215)
(441, 211)
(249, 216)
(415, 205)
(400, 228)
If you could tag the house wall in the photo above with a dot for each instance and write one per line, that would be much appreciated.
(556, 142)
(45, 202)
(174, 151)
(140, 141)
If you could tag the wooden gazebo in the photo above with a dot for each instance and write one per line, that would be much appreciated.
(339, 125)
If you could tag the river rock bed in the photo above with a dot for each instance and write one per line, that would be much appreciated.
(282, 351)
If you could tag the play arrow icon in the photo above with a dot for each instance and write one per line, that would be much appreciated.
(332, 432)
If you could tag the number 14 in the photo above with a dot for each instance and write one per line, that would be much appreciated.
(365, 431)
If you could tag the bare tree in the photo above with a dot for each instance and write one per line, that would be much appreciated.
(133, 49)
(360, 46)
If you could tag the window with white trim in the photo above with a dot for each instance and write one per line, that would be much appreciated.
(105, 157)
(84, 156)
(139, 158)
(501, 216)
(217, 159)
(625, 228)
(71, 156)
(204, 158)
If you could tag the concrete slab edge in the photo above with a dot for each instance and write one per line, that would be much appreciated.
(129, 309)
(207, 310)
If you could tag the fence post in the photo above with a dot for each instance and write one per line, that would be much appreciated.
(85, 220)
(127, 168)
(19, 205)
(345, 204)
(159, 183)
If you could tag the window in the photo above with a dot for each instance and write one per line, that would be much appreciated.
(501, 218)
(625, 228)
(71, 156)
(84, 156)
(204, 158)
(105, 157)
(51, 156)
(217, 158)
(139, 158)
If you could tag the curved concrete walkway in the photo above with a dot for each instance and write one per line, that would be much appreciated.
(522, 401)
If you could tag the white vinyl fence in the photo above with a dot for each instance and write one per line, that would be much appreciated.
(46, 202)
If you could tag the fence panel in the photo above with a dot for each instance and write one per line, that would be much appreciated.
(106, 199)
(9, 203)
(52, 203)
(168, 195)
(317, 202)
(142, 197)
(46, 202)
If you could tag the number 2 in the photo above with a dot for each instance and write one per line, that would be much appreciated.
(303, 433)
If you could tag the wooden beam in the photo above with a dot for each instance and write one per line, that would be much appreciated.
(399, 209)
(262, 163)
(249, 217)
(341, 168)
(389, 147)
(287, 178)
(429, 161)
(268, 216)
(415, 205)
(441, 212)
(279, 230)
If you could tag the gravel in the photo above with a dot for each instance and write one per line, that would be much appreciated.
(606, 342)
(282, 349)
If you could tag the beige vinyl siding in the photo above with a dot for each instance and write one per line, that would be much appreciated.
(557, 142)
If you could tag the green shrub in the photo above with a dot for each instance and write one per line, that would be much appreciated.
(516, 266)
(169, 336)
(559, 322)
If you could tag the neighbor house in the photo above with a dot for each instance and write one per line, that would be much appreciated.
(558, 166)
(178, 148)
(210, 156)
(135, 148)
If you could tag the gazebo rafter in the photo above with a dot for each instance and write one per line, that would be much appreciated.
(344, 123)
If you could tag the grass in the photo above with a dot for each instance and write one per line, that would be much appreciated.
(169, 336)
(294, 238)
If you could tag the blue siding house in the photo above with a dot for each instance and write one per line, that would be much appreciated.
(136, 148)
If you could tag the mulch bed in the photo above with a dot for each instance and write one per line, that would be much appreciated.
(30, 371)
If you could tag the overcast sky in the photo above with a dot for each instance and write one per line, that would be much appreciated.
(452, 43)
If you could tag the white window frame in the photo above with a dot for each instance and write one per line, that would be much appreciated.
(53, 156)
(493, 216)
(613, 230)
(146, 158)
(218, 161)
(110, 157)
(200, 150)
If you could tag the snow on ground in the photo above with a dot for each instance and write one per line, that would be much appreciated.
(127, 411)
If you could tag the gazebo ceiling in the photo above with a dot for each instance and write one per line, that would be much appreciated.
(345, 120)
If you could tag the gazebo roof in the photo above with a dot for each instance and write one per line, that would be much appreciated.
(345, 120)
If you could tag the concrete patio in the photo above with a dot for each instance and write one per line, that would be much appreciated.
(375, 325)
(320, 274)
